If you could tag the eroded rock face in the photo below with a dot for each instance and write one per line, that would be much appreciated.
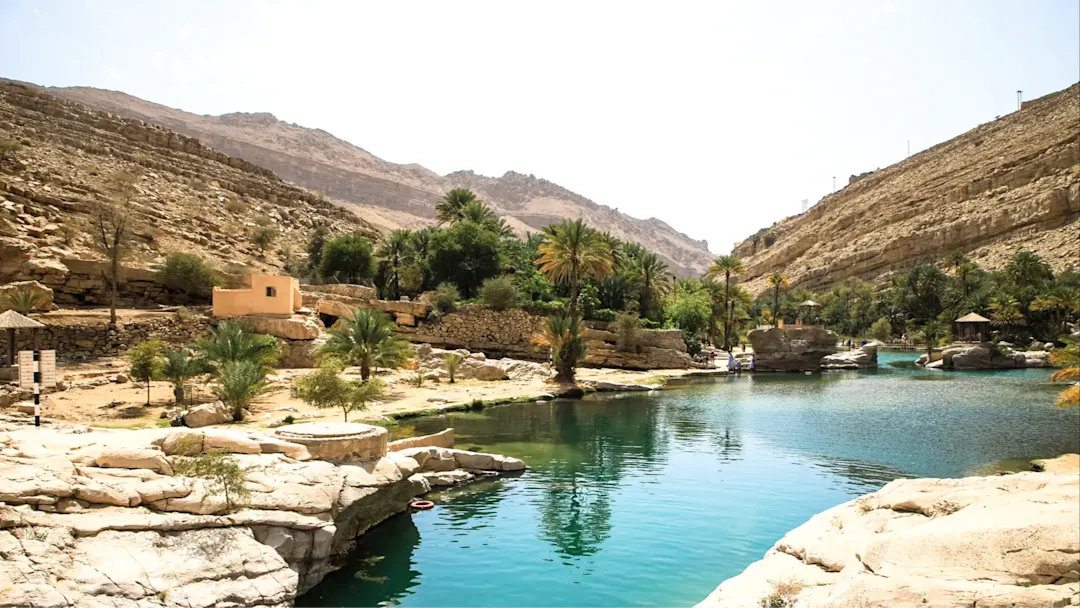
(791, 349)
(979, 541)
(862, 358)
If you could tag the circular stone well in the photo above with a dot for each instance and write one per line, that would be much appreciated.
(338, 440)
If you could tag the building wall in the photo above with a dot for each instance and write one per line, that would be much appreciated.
(255, 301)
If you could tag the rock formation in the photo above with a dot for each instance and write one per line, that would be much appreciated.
(101, 518)
(979, 541)
(392, 195)
(1009, 184)
(985, 355)
(864, 357)
(791, 349)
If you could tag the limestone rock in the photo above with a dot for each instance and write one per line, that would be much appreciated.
(134, 458)
(296, 327)
(337, 440)
(861, 358)
(791, 349)
(207, 414)
(235, 443)
(44, 294)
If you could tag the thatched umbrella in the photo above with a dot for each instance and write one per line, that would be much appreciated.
(11, 320)
(810, 305)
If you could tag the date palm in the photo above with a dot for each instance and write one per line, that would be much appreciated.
(931, 332)
(1067, 359)
(229, 341)
(367, 339)
(727, 266)
(180, 366)
(1058, 300)
(778, 281)
(563, 335)
(570, 250)
(25, 300)
(654, 278)
(448, 209)
(395, 253)
(1006, 311)
(482, 215)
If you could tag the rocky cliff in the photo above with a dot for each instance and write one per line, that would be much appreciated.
(389, 194)
(188, 197)
(977, 541)
(1005, 185)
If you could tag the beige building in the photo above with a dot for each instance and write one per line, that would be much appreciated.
(268, 295)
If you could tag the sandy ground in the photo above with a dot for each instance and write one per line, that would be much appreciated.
(101, 405)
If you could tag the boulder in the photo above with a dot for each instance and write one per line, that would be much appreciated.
(207, 414)
(272, 445)
(296, 327)
(234, 443)
(134, 458)
(990, 356)
(44, 294)
(862, 358)
(791, 349)
(488, 372)
(182, 443)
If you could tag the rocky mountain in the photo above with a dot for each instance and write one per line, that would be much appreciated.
(388, 194)
(188, 197)
(1003, 186)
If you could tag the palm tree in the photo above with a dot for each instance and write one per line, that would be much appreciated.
(563, 335)
(421, 246)
(1068, 359)
(448, 209)
(655, 279)
(778, 281)
(367, 339)
(180, 366)
(240, 382)
(1058, 300)
(231, 342)
(571, 249)
(482, 215)
(931, 332)
(1006, 311)
(727, 266)
(395, 253)
(24, 300)
(1028, 269)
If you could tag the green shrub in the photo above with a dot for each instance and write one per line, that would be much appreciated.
(24, 300)
(628, 331)
(603, 314)
(189, 274)
(881, 329)
(239, 383)
(446, 296)
(222, 473)
(264, 237)
(146, 363)
(553, 307)
(453, 360)
(325, 388)
(8, 147)
(347, 259)
(499, 293)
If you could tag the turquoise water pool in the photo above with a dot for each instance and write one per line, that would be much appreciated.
(653, 500)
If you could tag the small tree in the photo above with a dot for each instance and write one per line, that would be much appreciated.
(881, 329)
(239, 383)
(263, 237)
(231, 342)
(325, 388)
(562, 334)
(931, 333)
(367, 340)
(347, 259)
(453, 360)
(180, 366)
(189, 274)
(24, 300)
(146, 363)
(222, 473)
(627, 330)
(446, 296)
(499, 293)
(111, 228)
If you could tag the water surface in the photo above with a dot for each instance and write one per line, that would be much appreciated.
(654, 499)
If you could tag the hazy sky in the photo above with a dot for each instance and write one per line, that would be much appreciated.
(717, 117)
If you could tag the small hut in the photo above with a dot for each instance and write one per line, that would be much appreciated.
(972, 327)
(11, 320)
(806, 311)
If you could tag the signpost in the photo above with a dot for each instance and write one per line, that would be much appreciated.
(37, 370)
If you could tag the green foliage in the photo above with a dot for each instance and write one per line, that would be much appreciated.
(189, 274)
(881, 329)
(367, 340)
(499, 293)
(465, 254)
(347, 259)
(264, 237)
(570, 251)
(325, 388)
(653, 279)
(180, 366)
(24, 300)
(446, 297)
(452, 360)
(146, 363)
(628, 331)
(395, 255)
(563, 336)
(230, 342)
(315, 245)
(448, 209)
(220, 472)
(603, 314)
(692, 313)
(239, 383)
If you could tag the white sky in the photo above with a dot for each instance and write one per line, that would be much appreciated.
(716, 117)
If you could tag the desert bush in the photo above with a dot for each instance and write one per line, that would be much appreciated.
(628, 331)
(222, 473)
(189, 274)
(446, 296)
(263, 237)
(783, 594)
(23, 301)
(453, 360)
(234, 205)
(262, 220)
(325, 388)
(8, 148)
(499, 293)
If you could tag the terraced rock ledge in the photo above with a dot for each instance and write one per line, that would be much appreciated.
(1010, 540)
(99, 517)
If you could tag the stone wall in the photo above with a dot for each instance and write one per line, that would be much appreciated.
(90, 338)
(506, 333)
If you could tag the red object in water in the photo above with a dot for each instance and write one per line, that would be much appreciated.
(422, 505)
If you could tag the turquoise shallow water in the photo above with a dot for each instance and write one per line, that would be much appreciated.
(653, 500)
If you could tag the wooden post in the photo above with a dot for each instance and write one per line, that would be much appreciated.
(11, 347)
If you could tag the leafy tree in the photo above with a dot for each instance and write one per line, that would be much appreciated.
(347, 259)
(727, 266)
(230, 342)
(394, 255)
(189, 274)
(563, 336)
(1060, 301)
(881, 330)
(691, 311)
(263, 237)
(1068, 360)
(110, 223)
(146, 363)
(1006, 312)
(446, 297)
(452, 360)
(482, 215)
(778, 281)
(627, 331)
(1028, 272)
(465, 254)
(239, 383)
(24, 300)
(367, 339)
(180, 366)
(221, 472)
(325, 388)
(499, 293)
(931, 333)
(315, 245)
(571, 250)
(449, 209)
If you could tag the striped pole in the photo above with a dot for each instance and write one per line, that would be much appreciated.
(37, 388)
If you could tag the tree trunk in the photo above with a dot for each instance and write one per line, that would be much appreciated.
(727, 305)
(346, 412)
(112, 288)
(573, 291)
(776, 307)
(178, 394)
(365, 370)
(147, 391)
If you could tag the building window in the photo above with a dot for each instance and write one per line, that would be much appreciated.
(271, 292)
